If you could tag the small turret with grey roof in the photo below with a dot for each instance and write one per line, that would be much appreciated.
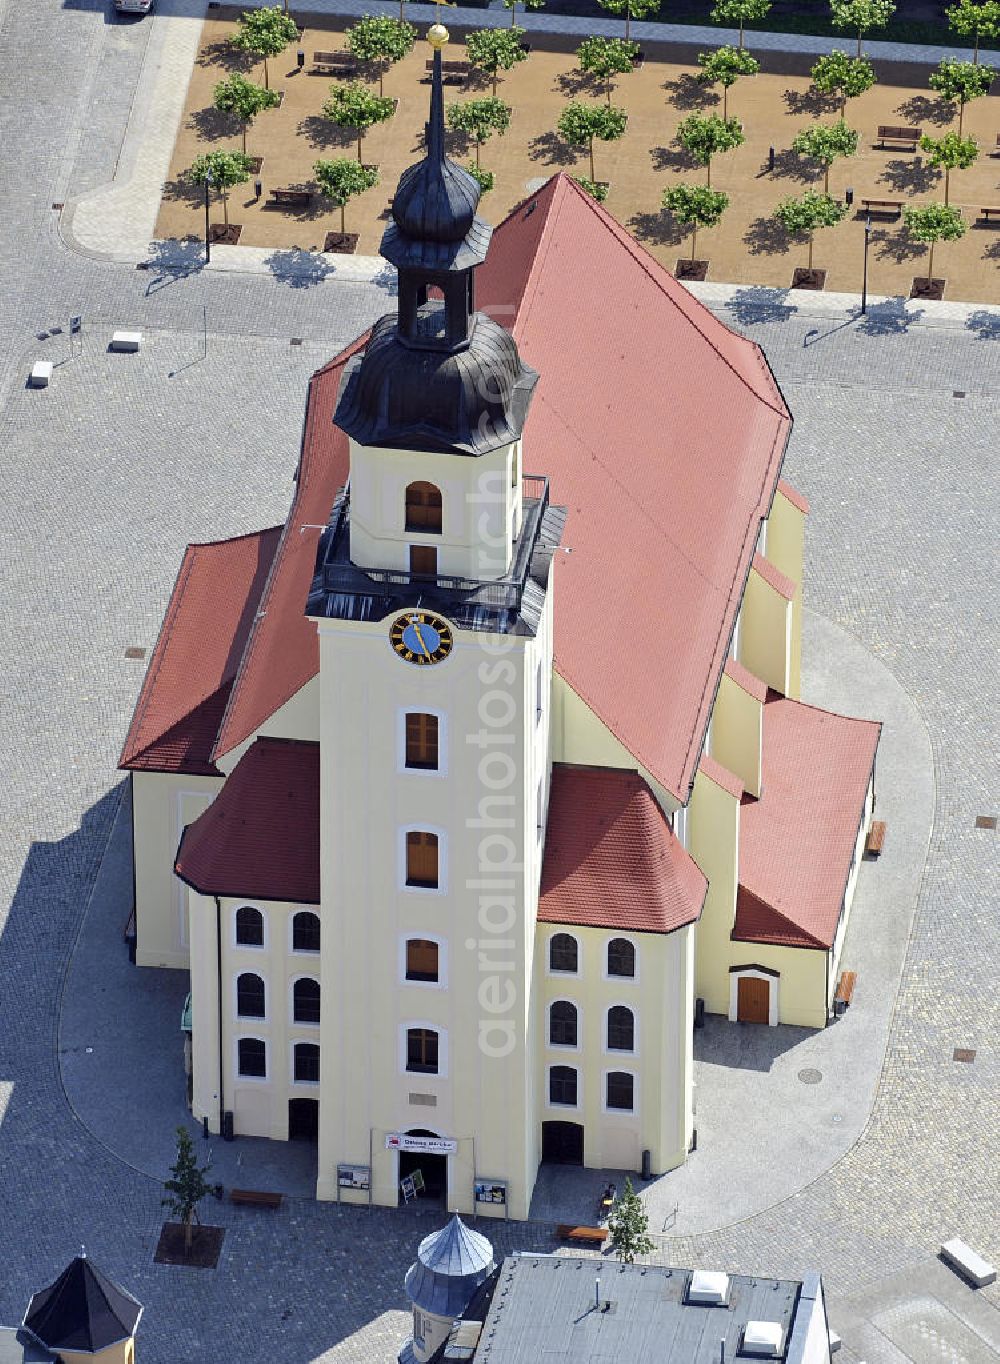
(450, 1266)
(84, 1315)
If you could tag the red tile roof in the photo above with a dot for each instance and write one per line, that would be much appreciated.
(663, 433)
(611, 858)
(260, 836)
(797, 840)
(201, 642)
(721, 776)
(793, 495)
(745, 680)
(774, 577)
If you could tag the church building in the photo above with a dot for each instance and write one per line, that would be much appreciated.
(454, 793)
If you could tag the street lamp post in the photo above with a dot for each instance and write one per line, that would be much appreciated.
(208, 234)
(864, 277)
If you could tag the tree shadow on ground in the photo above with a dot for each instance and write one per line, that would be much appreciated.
(767, 237)
(687, 92)
(297, 268)
(924, 109)
(550, 148)
(181, 190)
(320, 133)
(458, 144)
(891, 317)
(789, 165)
(812, 102)
(910, 177)
(899, 246)
(758, 304)
(170, 260)
(674, 159)
(225, 55)
(985, 324)
(479, 81)
(574, 83)
(660, 228)
(212, 125)
(992, 252)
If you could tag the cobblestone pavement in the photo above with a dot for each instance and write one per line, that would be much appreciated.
(901, 476)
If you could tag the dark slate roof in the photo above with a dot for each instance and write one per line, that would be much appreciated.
(83, 1310)
(18, 1346)
(450, 1266)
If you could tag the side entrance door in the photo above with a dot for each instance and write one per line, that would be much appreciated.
(753, 1000)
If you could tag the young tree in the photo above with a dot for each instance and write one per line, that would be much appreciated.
(484, 179)
(740, 12)
(352, 106)
(528, 4)
(861, 15)
(933, 223)
(580, 124)
(807, 213)
(265, 33)
(187, 1185)
(825, 142)
(847, 77)
(978, 21)
(703, 137)
(632, 9)
(244, 100)
(695, 206)
(595, 188)
(381, 42)
(339, 181)
(724, 67)
(948, 153)
(479, 119)
(223, 170)
(960, 82)
(494, 50)
(607, 57)
(628, 1226)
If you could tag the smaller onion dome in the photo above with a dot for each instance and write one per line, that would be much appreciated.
(450, 1266)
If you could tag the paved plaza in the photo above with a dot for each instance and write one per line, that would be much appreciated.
(107, 474)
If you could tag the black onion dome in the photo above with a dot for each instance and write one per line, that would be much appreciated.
(469, 401)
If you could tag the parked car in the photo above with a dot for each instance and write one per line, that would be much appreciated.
(133, 6)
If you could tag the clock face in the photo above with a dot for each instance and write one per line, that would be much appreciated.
(421, 637)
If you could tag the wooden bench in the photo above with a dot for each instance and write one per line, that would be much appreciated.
(883, 207)
(989, 215)
(845, 991)
(909, 136)
(876, 837)
(592, 1235)
(256, 1198)
(295, 197)
(334, 63)
(452, 73)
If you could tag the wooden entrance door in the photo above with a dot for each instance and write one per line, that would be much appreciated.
(753, 1000)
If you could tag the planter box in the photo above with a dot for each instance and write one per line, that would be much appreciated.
(691, 269)
(225, 236)
(341, 243)
(809, 279)
(923, 287)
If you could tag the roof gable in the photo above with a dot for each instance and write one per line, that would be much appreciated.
(83, 1310)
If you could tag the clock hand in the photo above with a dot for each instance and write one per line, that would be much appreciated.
(416, 631)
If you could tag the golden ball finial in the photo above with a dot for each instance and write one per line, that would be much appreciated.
(437, 35)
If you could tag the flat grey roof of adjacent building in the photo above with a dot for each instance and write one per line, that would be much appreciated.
(544, 1308)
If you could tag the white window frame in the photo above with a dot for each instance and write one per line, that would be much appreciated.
(242, 1079)
(293, 1022)
(564, 975)
(442, 886)
(625, 980)
(247, 970)
(614, 1051)
(312, 954)
(246, 946)
(292, 1081)
(442, 946)
(563, 1108)
(442, 1035)
(773, 978)
(632, 1112)
(430, 537)
(442, 768)
(563, 1046)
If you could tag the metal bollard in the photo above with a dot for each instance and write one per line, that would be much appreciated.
(849, 196)
(258, 187)
(300, 58)
(770, 159)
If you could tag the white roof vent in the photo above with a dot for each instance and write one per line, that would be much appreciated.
(708, 1288)
(763, 1339)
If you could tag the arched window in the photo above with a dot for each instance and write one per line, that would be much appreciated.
(250, 995)
(422, 741)
(422, 860)
(621, 1029)
(305, 932)
(306, 1063)
(422, 1050)
(562, 1085)
(305, 1000)
(249, 927)
(563, 1024)
(252, 1057)
(423, 508)
(620, 1091)
(621, 957)
(563, 953)
(421, 959)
